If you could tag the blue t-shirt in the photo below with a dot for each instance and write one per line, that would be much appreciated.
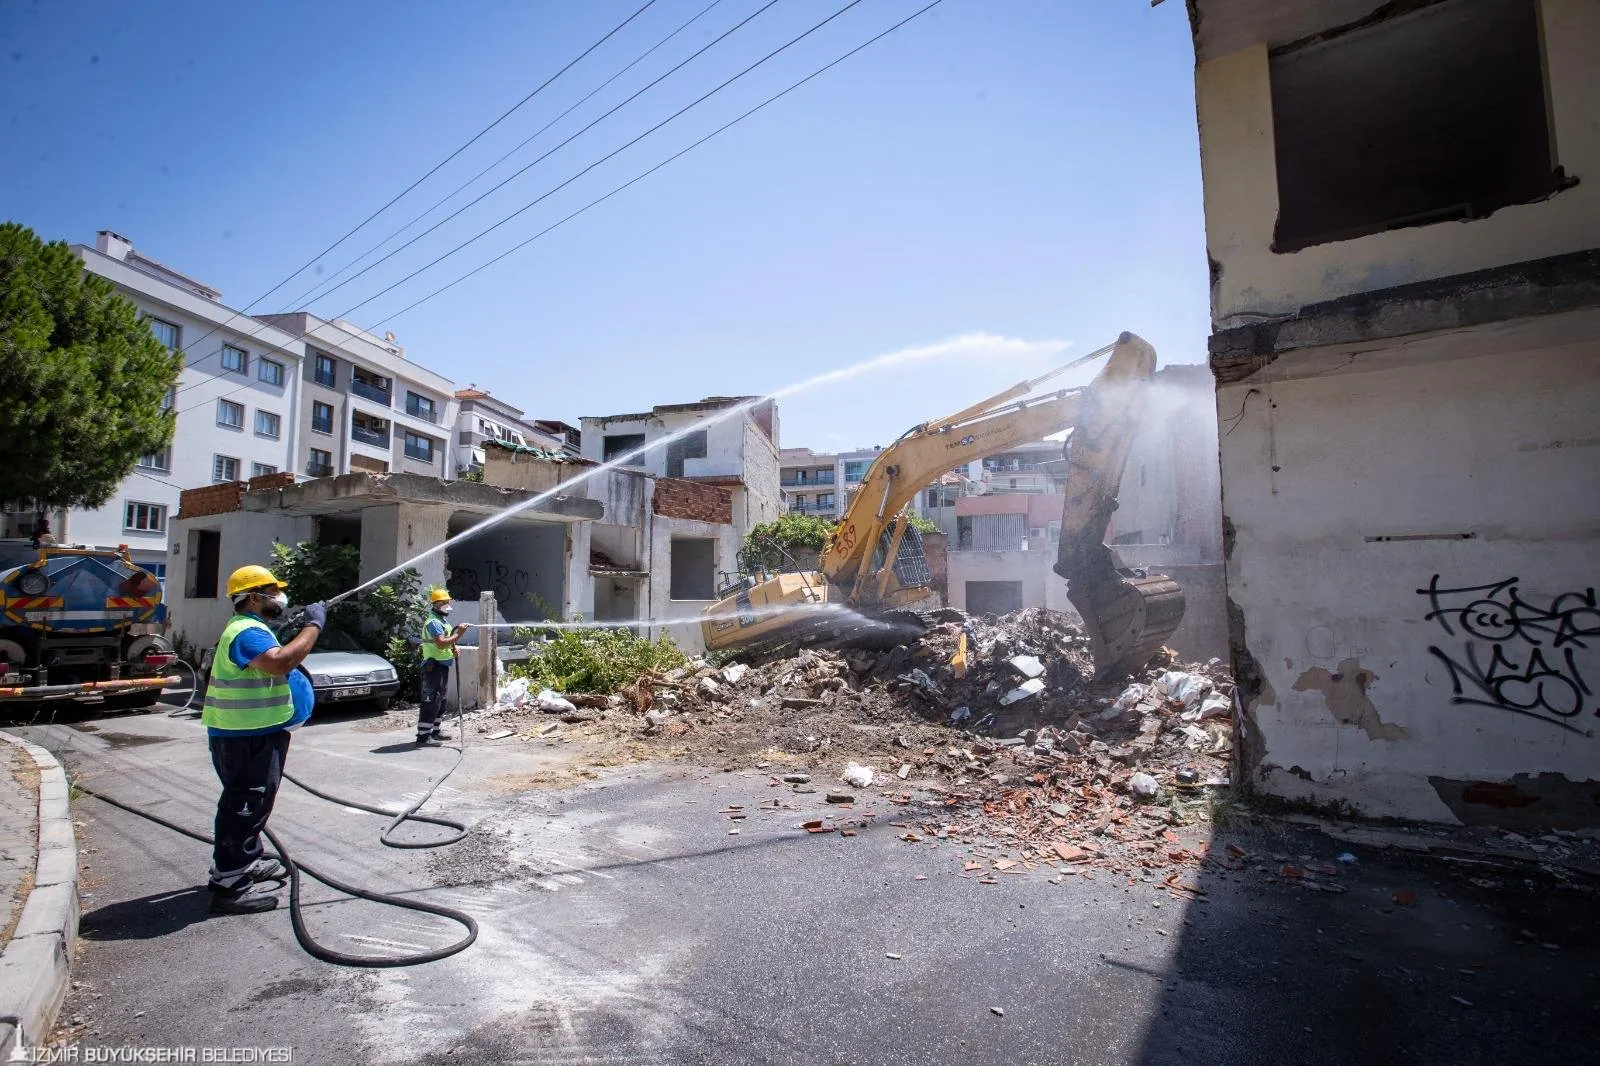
(247, 646)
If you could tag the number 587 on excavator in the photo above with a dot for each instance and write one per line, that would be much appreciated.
(874, 563)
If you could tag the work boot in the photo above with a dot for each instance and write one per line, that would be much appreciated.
(428, 740)
(248, 902)
(267, 870)
(440, 734)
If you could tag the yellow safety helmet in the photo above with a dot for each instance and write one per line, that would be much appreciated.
(439, 596)
(249, 578)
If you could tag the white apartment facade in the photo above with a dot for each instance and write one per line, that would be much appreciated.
(481, 417)
(365, 407)
(235, 400)
(809, 482)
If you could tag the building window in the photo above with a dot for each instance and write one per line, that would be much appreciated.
(267, 424)
(224, 468)
(234, 360)
(691, 446)
(205, 564)
(326, 371)
(797, 504)
(144, 518)
(856, 469)
(616, 445)
(419, 447)
(1433, 115)
(320, 463)
(824, 501)
(165, 332)
(262, 469)
(321, 417)
(230, 414)
(421, 407)
(170, 400)
(694, 568)
(160, 461)
(270, 371)
(372, 386)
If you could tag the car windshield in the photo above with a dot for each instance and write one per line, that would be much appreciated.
(328, 640)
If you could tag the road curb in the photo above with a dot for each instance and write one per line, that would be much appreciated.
(34, 964)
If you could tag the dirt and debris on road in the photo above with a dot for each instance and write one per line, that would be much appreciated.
(1012, 749)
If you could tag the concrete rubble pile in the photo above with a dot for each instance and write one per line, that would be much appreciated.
(1011, 744)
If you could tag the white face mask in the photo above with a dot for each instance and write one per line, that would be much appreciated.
(443, 608)
(274, 605)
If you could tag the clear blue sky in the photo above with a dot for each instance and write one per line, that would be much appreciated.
(1026, 168)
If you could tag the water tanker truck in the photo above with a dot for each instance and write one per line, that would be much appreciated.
(75, 624)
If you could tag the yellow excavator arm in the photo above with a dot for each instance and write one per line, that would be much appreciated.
(870, 563)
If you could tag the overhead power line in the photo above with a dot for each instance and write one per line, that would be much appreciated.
(435, 169)
(311, 294)
(770, 100)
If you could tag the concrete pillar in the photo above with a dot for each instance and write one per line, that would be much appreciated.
(579, 582)
(488, 657)
(393, 534)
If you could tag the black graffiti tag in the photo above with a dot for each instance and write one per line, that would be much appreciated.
(1516, 655)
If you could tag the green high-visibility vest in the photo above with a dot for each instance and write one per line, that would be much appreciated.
(430, 650)
(242, 698)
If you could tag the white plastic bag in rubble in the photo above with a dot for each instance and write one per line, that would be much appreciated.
(551, 703)
(513, 693)
(1188, 689)
(857, 775)
(1130, 698)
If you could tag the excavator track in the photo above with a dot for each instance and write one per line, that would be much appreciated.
(1128, 618)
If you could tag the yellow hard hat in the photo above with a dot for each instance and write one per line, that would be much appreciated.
(439, 596)
(248, 578)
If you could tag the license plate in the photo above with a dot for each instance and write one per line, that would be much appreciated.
(346, 693)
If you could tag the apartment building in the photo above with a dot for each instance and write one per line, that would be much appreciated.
(736, 448)
(569, 439)
(235, 401)
(366, 408)
(1402, 208)
(809, 482)
(481, 417)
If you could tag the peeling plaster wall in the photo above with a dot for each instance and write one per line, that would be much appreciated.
(1459, 461)
(1234, 104)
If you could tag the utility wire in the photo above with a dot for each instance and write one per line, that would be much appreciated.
(523, 170)
(311, 295)
(436, 167)
(676, 155)
(625, 185)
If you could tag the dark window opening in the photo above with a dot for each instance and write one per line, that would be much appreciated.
(205, 555)
(1434, 115)
(694, 566)
(620, 444)
(692, 446)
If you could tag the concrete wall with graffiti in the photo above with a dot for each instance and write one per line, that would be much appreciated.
(1412, 607)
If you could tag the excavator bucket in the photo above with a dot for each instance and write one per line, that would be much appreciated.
(1127, 618)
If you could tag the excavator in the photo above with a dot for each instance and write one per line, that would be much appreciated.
(873, 566)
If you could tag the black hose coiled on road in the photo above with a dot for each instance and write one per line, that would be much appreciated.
(296, 919)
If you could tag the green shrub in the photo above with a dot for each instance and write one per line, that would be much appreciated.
(597, 660)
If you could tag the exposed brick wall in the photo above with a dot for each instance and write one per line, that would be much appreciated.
(211, 499)
(679, 498)
(281, 480)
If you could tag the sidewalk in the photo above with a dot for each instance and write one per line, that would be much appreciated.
(38, 892)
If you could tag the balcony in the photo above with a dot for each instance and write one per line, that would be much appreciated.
(792, 481)
(423, 410)
(373, 437)
(319, 470)
(811, 508)
(371, 391)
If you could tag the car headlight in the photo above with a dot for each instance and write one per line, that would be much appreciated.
(386, 674)
(33, 583)
(319, 679)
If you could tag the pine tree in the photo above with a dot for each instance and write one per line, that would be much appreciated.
(82, 379)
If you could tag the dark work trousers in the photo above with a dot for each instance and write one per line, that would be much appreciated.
(250, 769)
(435, 675)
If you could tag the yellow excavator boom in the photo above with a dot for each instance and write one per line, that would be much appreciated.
(873, 561)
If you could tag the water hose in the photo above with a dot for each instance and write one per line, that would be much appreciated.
(296, 869)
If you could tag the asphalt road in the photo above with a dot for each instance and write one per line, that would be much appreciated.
(622, 922)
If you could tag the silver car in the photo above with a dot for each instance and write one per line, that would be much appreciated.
(343, 672)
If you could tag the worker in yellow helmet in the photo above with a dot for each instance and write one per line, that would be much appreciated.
(255, 697)
(439, 641)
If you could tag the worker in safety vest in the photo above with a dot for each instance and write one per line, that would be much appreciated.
(256, 696)
(439, 641)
